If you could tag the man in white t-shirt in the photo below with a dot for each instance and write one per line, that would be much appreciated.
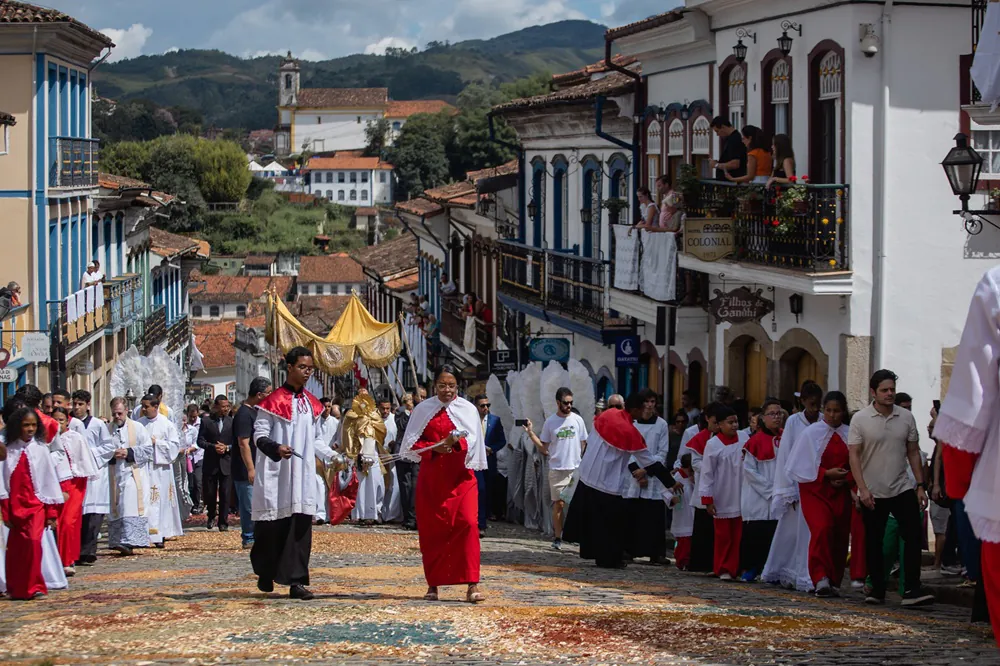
(563, 439)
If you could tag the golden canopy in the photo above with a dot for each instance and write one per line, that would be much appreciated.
(356, 332)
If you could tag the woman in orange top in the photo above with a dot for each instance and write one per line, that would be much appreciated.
(758, 157)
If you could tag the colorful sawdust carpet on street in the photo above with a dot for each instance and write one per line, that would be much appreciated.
(196, 602)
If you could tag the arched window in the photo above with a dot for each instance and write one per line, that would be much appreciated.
(537, 196)
(780, 95)
(591, 210)
(737, 82)
(654, 139)
(675, 148)
(560, 203)
(288, 81)
(701, 136)
(619, 188)
(826, 117)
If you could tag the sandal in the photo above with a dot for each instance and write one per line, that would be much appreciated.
(431, 596)
(475, 597)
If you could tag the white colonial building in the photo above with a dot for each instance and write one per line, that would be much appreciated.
(872, 270)
(334, 119)
(350, 180)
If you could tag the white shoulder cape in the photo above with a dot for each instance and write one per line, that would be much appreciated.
(463, 414)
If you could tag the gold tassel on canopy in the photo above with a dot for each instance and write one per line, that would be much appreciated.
(356, 331)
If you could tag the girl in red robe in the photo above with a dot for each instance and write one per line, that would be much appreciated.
(29, 501)
(820, 463)
(74, 463)
(445, 435)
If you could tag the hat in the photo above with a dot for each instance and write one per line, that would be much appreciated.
(616, 428)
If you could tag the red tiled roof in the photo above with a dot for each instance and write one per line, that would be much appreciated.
(235, 288)
(493, 172)
(413, 107)
(419, 206)
(645, 24)
(612, 84)
(447, 193)
(366, 212)
(111, 181)
(346, 162)
(259, 260)
(166, 244)
(215, 339)
(406, 283)
(330, 269)
(22, 12)
(599, 67)
(335, 98)
(391, 257)
(204, 249)
(320, 313)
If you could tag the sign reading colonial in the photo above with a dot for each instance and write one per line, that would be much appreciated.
(739, 305)
(708, 238)
(627, 351)
(502, 362)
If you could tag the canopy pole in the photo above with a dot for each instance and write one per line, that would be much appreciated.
(397, 383)
(409, 354)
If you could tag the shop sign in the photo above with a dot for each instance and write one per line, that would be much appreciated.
(627, 351)
(549, 349)
(708, 238)
(35, 347)
(8, 375)
(739, 305)
(502, 362)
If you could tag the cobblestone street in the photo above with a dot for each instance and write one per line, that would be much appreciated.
(196, 602)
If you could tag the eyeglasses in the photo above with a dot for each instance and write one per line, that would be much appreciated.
(772, 415)
(568, 403)
(486, 405)
(305, 368)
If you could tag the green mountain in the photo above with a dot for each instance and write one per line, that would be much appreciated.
(232, 92)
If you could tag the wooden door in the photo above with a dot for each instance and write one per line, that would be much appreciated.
(806, 368)
(676, 388)
(755, 374)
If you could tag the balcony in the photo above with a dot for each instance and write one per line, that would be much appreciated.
(794, 237)
(123, 294)
(559, 283)
(178, 334)
(73, 163)
(79, 315)
(453, 327)
(154, 329)
(632, 270)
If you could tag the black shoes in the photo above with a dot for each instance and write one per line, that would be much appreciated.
(265, 585)
(223, 528)
(918, 597)
(299, 592)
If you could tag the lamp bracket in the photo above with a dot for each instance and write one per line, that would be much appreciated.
(743, 32)
(792, 25)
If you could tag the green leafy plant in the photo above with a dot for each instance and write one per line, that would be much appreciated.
(688, 184)
(794, 200)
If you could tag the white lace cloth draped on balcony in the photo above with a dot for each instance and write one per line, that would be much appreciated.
(658, 272)
(626, 258)
(985, 69)
(469, 340)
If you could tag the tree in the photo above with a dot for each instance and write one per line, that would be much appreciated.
(377, 137)
(420, 153)
(222, 172)
(127, 158)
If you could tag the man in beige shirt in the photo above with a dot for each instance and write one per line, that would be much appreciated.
(883, 440)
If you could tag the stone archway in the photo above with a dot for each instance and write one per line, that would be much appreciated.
(800, 357)
(749, 356)
(604, 382)
(697, 375)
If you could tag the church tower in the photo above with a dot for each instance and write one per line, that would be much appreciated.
(288, 81)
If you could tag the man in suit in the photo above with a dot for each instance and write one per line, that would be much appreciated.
(217, 438)
(495, 439)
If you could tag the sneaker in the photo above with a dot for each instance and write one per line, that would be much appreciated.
(919, 597)
(872, 600)
(725, 577)
(894, 573)
(950, 571)
(557, 544)
(247, 545)
(857, 584)
(823, 588)
(749, 576)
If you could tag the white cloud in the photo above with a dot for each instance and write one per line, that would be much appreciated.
(128, 42)
(172, 49)
(379, 47)
(312, 55)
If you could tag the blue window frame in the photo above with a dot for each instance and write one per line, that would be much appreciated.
(592, 202)
(559, 213)
(64, 101)
(538, 197)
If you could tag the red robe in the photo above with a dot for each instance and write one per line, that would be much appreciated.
(828, 512)
(447, 508)
(70, 524)
(25, 515)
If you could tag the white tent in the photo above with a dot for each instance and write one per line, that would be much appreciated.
(256, 167)
(275, 168)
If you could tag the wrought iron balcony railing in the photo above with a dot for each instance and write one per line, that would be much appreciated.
(178, 334)
(798, 227)
(73, 162)
(632, 271)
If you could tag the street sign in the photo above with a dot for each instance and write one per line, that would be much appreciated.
(549, 349)
(35, 347)
(84, 368)
(502, 361)
(8, 375)
(739, 305)
(627, 350)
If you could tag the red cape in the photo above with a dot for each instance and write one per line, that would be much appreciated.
(279, 403)
(616, 428)
(47, 426)
(762, 446)
(698, 442)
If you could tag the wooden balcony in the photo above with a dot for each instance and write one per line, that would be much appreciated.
(73, 162)
(453, 327)
(178, 334)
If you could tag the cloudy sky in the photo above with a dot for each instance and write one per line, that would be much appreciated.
(319, 29)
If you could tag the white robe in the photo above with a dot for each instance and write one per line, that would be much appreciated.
(52, 567)
(657, 438)
(682, 524)
(321, 499)
(72, 456)
(391, 509)
(371, 484)
(758, 486)
(285, 487)
(130, 489)
(98, 497)
(788, 561)
(164, 510)
(722, 475)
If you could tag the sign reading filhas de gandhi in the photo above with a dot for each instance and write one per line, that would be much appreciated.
(739, 305)
(708, 238)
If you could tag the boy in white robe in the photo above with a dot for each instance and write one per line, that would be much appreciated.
(130, 489)
(328, 431)
(647, 530)
(164, 510)
(390, 510)
(681, 503)
(759, 466)
(720, 488)
(788, 561)
(97, 501)
(288, 441)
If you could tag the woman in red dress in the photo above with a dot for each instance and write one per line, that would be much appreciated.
(445, 435)
(820, 462)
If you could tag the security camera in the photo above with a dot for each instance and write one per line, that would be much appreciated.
(869, 40)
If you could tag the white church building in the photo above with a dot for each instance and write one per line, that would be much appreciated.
(324, 120)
